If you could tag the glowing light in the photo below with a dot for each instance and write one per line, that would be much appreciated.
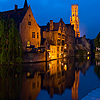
(65, 47)
(65, 67)
(28, 44)
(88, 53)
(28, 74)
(88, 57)
(16, 75)
(62, 64)
(49, 54)
(39, 50)
(49, 65)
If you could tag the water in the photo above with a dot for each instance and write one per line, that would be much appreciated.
(63, 79)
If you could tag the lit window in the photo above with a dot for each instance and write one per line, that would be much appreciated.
(29, 23)
(33, 34)
(37, 35)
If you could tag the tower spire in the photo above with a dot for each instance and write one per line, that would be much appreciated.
(25, 4)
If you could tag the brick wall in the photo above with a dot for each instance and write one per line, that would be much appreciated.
(27, 26)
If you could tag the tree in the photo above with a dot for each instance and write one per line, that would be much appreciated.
(97, 41)
(10, 42)
(3, 45)
(14, 45)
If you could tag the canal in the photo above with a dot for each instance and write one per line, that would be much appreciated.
(63, 79)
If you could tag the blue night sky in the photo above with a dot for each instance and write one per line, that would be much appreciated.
(45, 10)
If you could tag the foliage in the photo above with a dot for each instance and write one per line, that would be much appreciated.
(97, 70)
(97, 41)
(19, 60)
(80, 52)
(10, 46)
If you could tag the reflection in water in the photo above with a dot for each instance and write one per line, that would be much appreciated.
(31, 87)
(75, 86)
(97, 67)
(25, 84)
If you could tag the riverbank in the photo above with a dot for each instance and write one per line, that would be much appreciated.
(94, 95)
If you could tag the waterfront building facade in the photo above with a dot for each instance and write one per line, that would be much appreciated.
(69, 49)
(26, 24)
(54, 34)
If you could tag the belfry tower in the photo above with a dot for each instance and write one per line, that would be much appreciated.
(74, 19)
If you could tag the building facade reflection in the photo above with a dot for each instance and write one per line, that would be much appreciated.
(54, 77)
(31, 87)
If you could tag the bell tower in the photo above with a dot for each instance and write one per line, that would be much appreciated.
(74, 19)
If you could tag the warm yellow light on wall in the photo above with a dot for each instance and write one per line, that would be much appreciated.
(28, 74)
(65, 67)
(49, 65)
(49, 54)
(28, 44)
(62, 64)
(88, 53)
(88, 57)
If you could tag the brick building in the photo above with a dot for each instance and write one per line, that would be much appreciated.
(26, 23)
(70, 40)
(54, 34)
(60, 35)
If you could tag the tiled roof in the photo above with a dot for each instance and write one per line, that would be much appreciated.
(17, 15)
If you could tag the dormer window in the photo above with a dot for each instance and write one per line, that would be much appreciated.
(29, 23)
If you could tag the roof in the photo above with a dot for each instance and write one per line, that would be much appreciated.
(55, 28)
(17, 14)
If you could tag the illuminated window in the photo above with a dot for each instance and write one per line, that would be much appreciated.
(37, 35)
(29, 23)
(33, 34)
(28, 44)
(57, 48)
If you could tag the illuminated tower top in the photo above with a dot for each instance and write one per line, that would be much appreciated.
(74, 19)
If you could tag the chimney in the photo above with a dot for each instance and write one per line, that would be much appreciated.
(84, 36)
(51, 25)
(16, 7)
